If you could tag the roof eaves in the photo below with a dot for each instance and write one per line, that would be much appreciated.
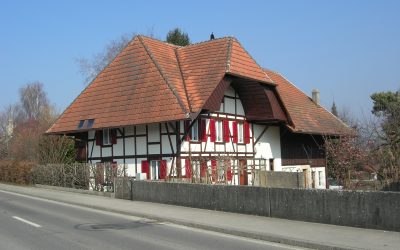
(181, 104)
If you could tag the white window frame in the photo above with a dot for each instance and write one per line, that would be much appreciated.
(155, 169)
(219, 133)
(106, 137)
(240, 135)
(320, 178)
(195, 131)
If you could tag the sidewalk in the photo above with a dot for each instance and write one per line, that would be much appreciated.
(297, 233)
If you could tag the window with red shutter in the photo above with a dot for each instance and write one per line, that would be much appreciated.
(188, 169)
(99, 137)
(246, 132)
(235, 131)
(187, 131)
(226, 131)
(212, 130)
(113, 134)
(203, 131)
(163, 169)
(145, 168)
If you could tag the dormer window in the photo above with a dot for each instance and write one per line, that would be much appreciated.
(85, 124)
(195, 131)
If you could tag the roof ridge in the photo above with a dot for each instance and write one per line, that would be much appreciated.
(183, 79)
(207, 41)
(229, 55)
(318, 105)
(261, 68)
(163, 75)
(158, 40)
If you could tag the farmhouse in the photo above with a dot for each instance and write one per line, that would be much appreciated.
(167, 111)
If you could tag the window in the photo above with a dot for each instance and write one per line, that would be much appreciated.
(106, 137)
(218, 131)
(319, 178)
(240, 138)
(90, 123)
(155, 170)
(81, 123)
(195, 131)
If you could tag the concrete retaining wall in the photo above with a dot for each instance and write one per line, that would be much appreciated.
(377, 210)
(279, 179)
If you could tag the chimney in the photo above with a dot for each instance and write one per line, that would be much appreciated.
(315, 96)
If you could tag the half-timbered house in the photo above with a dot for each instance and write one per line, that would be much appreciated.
(167, 111)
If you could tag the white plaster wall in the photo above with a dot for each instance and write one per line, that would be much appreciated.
(229, 105)
(141, 145)
(91, 134)
(166, 147)
(269, 145)
(118, 148)
(129, 146)
(154, 132)
(130, 164)
(96, 149)
(154, 149)
(106, 152)
(129, 130)
(141, 129)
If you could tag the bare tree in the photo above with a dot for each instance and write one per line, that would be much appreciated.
(34, 101)
(90, 68)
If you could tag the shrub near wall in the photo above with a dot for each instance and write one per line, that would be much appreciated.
(17, 172)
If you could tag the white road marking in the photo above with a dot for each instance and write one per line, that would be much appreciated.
(27, 221)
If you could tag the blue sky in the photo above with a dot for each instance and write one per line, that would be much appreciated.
(346, 49)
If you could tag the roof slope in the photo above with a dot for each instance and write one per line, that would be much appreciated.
(130, 90)
(306, 116)
(152, 81)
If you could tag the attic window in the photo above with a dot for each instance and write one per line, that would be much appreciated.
(81, 124)
(90, 123)
(85, 124)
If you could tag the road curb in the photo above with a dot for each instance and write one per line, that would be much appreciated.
(252, 235)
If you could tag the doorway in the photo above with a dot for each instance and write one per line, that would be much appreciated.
(243, 172)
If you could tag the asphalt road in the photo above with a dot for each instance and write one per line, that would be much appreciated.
(34, 223)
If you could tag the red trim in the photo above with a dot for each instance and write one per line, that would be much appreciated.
(226, 131)
(188, 169)
(203, 131)
(113, 135)
(235, 131)
(212, 130)
(163, 169)
(229, 174)
(214, 170)
(99, 138)
(246, 131)
(203, 169)
(145, 168)
(186, 126)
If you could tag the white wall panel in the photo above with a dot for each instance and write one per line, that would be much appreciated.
(141, 145)
(154, 149)
(118, 148)
(129, 146)
(106, 152)
(154, 132)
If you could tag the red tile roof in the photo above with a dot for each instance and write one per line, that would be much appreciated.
(152, 81)
(304, 114)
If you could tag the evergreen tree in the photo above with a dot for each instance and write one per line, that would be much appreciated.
(334, 109)
(178, 37)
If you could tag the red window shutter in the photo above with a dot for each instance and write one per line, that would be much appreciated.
(187, 125)
(113, 133)
(235, 131)
(226, 131)
(203, 131)
(229, 173)
(214, 170)
(203, 169)
(212, 130)
(188, 169)
(246, 132)
(145, 168)
(163, 169)
(99, 138)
